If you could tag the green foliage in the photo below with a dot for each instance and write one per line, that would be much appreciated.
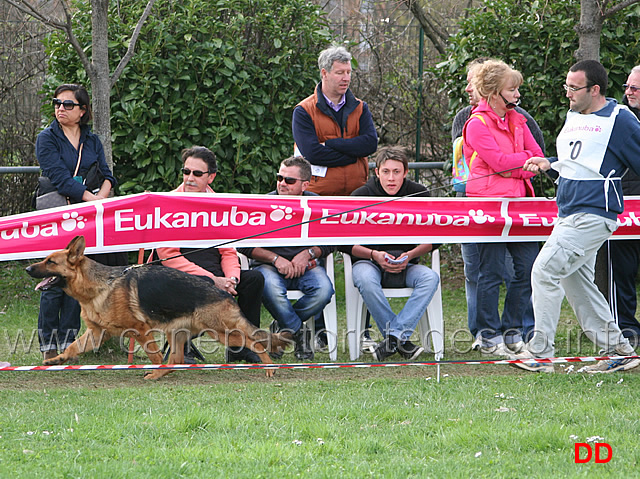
(224, 74)
(538, 38)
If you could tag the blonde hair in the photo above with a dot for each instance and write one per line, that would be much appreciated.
(493, 76)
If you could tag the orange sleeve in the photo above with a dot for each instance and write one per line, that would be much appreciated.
(229, 262)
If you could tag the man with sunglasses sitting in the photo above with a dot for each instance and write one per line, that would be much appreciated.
(219, 265)
(294, 267)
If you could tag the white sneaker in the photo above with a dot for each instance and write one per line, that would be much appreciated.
(516, 347)
(612, 365)
(497, 350)
(368, 344)
(476, 344)
(533, 365)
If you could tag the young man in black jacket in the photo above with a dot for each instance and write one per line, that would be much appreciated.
(373, 265)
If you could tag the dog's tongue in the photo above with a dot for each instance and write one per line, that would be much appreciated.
(45, 283)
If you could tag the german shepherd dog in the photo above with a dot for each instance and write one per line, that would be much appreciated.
(119, 300)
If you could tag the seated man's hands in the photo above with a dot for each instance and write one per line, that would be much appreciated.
(390, 263)
(226, 284)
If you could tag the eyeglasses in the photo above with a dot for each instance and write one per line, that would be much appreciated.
(287, 179)
(634, 89)
(196, 173)
(574, 89)
(67, 104)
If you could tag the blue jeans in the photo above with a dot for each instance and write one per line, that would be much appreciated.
(490, 326)
(58, 320)
(470, 257)
(367, 278)
(314, 283)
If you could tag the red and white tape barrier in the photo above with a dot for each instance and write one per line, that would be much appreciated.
(121, 367)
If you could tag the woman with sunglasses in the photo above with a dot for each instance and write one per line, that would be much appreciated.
(66, 150)
(497, 142)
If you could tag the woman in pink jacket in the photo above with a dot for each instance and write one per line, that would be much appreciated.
(498, 142)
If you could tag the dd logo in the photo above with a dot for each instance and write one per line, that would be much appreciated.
(598, 446)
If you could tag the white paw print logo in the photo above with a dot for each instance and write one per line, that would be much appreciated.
(72, 221)
(480, 218)
(281, 212)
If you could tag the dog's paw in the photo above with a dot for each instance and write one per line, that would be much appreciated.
(54, 361)
(152, 375)
(270, 372)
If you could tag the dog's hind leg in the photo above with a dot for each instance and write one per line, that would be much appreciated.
(92, 339)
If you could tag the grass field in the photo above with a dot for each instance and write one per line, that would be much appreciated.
(480, 421)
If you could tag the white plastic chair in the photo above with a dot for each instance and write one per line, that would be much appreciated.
(330, 310)
(430, 326)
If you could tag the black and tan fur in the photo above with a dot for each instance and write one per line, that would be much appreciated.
(135, 302)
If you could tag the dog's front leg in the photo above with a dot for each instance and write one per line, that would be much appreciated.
(92, 339)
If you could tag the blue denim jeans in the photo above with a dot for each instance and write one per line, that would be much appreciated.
(314, 283)
(58, 320)
(367, 278)
(490, 326)
(470, 257)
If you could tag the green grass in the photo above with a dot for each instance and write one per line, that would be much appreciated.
(479, 421)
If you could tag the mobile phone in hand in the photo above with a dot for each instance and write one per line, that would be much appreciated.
(399, 260)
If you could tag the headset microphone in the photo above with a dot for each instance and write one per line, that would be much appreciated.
(510, 105)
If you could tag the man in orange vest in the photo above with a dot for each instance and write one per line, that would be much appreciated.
(334, 130)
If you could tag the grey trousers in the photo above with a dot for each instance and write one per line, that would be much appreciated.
(565, 265)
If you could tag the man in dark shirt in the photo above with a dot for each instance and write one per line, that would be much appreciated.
(294, 267)
(372, 263)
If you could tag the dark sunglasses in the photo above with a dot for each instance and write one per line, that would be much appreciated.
(67, 104)
(196, 173)
(287, 179)
(633, 89)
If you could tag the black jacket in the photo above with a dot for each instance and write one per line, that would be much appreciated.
(631, 181)
(374, 188)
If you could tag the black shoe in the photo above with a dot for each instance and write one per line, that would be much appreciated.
(245, 354)
(303, 349)
(190, 357)
(386, 348)
(409, 351)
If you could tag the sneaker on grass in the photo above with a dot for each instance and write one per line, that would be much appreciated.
(386, 348)
(496, 350)
(612, 365)
(531, 363)
(410, 351)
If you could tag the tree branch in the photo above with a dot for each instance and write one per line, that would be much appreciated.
(437, 36)
(616, 8)
(28, 9)
(74, 41)
(132, 43)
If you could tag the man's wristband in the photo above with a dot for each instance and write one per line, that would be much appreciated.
(273, 261)
(371, 257)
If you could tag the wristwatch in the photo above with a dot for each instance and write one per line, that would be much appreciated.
(235, 280)
(312, 253)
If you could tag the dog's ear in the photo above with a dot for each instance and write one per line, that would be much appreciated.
(76, 248)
